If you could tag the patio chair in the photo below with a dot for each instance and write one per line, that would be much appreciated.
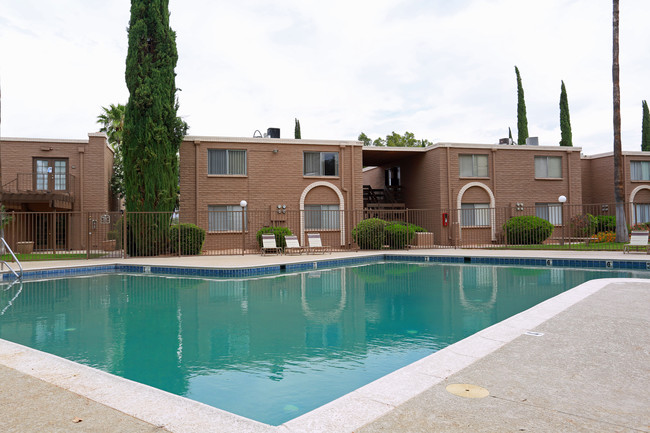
(638, 240)
(269, 246)
(293, 246)
(316, 245)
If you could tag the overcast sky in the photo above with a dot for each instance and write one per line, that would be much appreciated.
(442, 69)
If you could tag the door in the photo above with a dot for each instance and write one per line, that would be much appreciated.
(51, 174)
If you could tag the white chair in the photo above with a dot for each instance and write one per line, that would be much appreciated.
(269, 246)
(293, 246)
(638, 240)
(316, 245)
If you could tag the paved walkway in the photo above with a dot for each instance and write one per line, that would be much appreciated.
(589, 371)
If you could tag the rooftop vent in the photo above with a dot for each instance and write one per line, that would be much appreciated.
(532, 141)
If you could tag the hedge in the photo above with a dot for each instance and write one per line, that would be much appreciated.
(192, 238)
(279, 232)
(527, 230)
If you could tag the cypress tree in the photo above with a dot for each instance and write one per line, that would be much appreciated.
(296, 131)
(645, 128)
(152, 130)
(565, 120)
(522, 121)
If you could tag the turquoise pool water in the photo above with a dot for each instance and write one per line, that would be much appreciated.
(275, 347)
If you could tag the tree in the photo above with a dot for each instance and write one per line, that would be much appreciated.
(296, 131)
(522, 121)
(619, 192)
(645, 128)
(152, 130)
(565, 120)
(394, 140)
(112, 121)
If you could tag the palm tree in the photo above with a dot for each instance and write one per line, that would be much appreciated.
(619, 192)
(112, 121)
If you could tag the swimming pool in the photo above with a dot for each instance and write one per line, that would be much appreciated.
(259, 347)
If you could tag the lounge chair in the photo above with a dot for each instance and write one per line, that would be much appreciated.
(316, 245)
(638, 240)
(293, 246)
(269, 246)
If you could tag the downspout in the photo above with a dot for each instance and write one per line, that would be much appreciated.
(345, 190)
(451, 219)
(84, 223)
(196, 181)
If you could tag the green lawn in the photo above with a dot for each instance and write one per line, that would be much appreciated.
(604, 246)
(48, 256)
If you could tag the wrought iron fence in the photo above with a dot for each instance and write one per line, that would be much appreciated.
(64, 235)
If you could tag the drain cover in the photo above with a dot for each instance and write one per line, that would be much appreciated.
(468, 391)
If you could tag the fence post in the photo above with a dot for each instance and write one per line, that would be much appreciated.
(179, 235)
(88, 236)
(124, 235)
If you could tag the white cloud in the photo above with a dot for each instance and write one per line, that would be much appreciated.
(443, 70)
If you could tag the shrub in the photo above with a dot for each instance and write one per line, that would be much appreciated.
(603, 237)
(370, 234)
(605, 223)
(583, 225)
(279, 232)
(398, 235)
(192, 238)
(527, 230)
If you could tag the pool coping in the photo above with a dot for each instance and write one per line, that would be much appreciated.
(345, 414)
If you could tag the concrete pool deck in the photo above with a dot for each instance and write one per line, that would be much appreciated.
(589, 371)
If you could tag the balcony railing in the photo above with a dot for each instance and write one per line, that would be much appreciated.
(53, 183)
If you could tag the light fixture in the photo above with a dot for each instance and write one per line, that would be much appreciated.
(243, 203)
(561, 199)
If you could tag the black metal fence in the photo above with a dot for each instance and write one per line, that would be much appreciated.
(66, 235)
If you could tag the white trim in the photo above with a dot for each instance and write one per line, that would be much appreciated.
(341, 209)
(459, 201)
(632, 196)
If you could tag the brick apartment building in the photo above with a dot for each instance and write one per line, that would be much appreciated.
(314, 185)
(52, 175)
(467, 182)
(279, 179)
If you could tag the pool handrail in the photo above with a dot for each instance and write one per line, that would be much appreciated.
(4, 262)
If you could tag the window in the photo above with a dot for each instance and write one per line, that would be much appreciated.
(640, 170)
(321, 164)
(322, 217)
(51, 173)
(473, 165)
(549, 167)
(226, 161)
(551, 212)
(225, 218)
(474, 214)
(642, 213)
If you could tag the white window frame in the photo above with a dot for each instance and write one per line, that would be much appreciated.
(551, 212)
(545, 170)
(639, 170)
(641, 213)
(322, 217)
(230, 167)
(477, 166)
(475, 215)
(308, 170)
(226, 218)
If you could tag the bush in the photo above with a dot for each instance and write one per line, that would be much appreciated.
(398, 234)
(527, 230)
(603, 237)
(370, 234)
(605, 223)
(192, 238)
(279, 232)
(583, 225)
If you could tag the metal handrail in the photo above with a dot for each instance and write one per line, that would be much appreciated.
(15, 259)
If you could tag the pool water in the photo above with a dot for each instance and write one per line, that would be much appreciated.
(272, 348)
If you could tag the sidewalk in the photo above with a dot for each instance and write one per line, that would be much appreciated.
(589, 371)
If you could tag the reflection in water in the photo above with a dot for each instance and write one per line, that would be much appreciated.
(270, 348)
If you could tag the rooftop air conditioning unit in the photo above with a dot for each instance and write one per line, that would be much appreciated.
(532, 141)
(505, 141)
(273, 132)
